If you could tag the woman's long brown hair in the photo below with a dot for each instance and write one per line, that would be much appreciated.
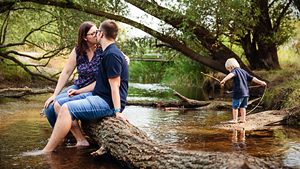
(81, 45)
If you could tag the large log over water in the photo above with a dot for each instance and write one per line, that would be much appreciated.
(134, 149)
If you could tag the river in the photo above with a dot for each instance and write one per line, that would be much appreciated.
(23, 129)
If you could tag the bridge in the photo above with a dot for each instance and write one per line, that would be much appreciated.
(150, 57)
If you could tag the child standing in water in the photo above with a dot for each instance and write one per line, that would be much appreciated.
(240, 88)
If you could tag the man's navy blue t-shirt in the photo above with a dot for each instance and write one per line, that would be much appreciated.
(112, 65)
(240, 83)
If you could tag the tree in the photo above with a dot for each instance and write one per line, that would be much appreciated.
(191, 37)
(256, 26)
(21, 27)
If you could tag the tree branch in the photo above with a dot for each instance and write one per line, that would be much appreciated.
(19, 63)
(26, 36)
(219, 51)
(179, 46)
(4, 28)
(280, 17)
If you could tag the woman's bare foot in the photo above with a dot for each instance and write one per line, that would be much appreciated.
(241, 121)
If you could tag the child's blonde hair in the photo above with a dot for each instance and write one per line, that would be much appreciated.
(231, 63)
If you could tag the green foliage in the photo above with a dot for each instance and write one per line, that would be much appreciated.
(146, 72)
(285, 88)
(293, 98)
(11, 73)
(184, 72)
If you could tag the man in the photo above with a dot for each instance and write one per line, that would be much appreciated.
(109, 92)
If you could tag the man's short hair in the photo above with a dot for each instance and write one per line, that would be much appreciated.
(110, 29)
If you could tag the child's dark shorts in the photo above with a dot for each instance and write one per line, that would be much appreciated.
(240, 103)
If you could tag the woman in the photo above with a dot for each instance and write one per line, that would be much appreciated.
(86, 58)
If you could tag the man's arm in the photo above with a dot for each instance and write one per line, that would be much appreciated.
(115, 93)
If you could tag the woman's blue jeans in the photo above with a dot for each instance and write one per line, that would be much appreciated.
(49, 111)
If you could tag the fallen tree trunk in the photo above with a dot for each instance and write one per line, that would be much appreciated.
(133, 148)
(20, 92)
(164, 104)
(186, 103)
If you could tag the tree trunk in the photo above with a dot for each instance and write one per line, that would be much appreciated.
(133, 148)
(249, 46)
(267, 56)
(261, 50)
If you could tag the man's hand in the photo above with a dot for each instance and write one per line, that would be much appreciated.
(122, 117)
(73, 92)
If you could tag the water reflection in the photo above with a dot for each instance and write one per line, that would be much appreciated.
(79, 158)
(191, 130)
(238, 139)
(24, 130)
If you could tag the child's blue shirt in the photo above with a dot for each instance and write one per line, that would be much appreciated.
(240, 83)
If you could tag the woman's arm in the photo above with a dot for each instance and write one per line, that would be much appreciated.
(64, 76)
(85, 89)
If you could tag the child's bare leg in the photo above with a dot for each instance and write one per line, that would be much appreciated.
(243, 115)
(234, 136)
(242, 135)
(235, 115)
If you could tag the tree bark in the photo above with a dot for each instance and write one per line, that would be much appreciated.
(134, 149)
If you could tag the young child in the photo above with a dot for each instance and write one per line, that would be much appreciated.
(240, 88)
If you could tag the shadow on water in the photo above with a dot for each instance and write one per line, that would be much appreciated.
(22, 129)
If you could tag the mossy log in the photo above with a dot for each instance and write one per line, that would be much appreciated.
(134, 149)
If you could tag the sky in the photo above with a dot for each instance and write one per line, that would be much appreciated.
(140, 16)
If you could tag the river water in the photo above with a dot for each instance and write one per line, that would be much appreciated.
(23, 129)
